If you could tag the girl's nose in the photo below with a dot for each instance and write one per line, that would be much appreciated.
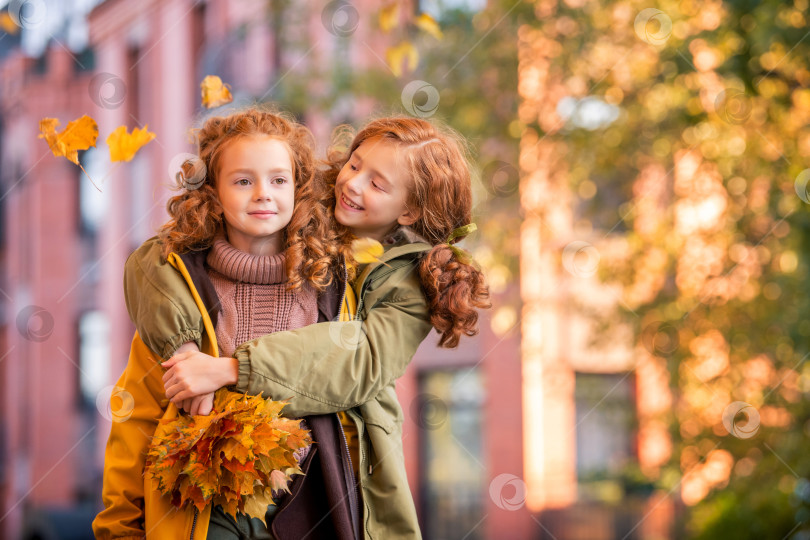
(355, 184)
(262, 191)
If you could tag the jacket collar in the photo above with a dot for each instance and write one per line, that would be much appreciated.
(403, 244)
(194, 261)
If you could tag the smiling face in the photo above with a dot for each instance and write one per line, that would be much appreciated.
(372, 190)
(255, 185)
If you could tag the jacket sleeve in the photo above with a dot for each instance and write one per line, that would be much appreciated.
(137, 404)
(164, 319)
(333, 366)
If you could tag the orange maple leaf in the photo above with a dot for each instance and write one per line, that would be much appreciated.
(79, 134)
(124, 146)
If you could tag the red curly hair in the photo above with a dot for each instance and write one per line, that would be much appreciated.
(441, 196)
(196, 213)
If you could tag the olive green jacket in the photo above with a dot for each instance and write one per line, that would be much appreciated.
(322, 368)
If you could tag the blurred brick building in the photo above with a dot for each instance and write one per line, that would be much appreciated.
(65, 330)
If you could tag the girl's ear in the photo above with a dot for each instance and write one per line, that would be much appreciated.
(408, 217)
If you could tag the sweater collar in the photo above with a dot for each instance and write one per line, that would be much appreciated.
(245, 267)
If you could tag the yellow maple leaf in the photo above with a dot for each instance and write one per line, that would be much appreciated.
(428, 24)
(366, 250)
(7, 24)
(404, 52)
(79, 134)
(214, 92)
(124, 146)
(256, 505)
(389, 17)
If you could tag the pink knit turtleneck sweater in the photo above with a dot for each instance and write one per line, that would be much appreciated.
(253, 296)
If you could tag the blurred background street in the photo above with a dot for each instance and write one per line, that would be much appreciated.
(642, 210)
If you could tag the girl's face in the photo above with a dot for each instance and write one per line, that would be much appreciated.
(255, 185)
(372, 190)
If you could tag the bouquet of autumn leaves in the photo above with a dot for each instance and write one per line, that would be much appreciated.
(236, 457)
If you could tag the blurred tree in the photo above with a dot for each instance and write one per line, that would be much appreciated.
(684, 130)
(465, 78)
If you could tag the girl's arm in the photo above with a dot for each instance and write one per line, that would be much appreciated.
(321, 368)
(159, 304)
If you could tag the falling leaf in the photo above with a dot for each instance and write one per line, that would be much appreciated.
(80, 134)
(366, 250)
(429, 25)
(235, 457)
(124, 146)
(214, 92)
(389, 17)
(7, 24)
(404, 52)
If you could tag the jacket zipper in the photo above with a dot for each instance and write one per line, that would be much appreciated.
(193, 524)
(345, 286)
(354, 502)
(363, 460)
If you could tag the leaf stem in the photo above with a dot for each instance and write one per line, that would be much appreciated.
(88, 177)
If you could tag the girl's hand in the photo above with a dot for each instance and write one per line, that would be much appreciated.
(193, 373)
(200, 405)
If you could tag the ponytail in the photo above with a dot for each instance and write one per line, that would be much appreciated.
(454, 290)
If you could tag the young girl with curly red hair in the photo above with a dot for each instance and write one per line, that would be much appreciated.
(246, 243)
(406, 183)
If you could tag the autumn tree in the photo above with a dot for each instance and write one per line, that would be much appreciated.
(683, 128)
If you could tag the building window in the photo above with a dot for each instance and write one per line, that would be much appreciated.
(94, 355)
(449, 414)
(605, 433)
(93, 203)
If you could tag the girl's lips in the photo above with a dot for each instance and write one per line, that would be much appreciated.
(262, 214)
(347, 204)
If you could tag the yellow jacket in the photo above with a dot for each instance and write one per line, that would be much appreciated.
(133, 506)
